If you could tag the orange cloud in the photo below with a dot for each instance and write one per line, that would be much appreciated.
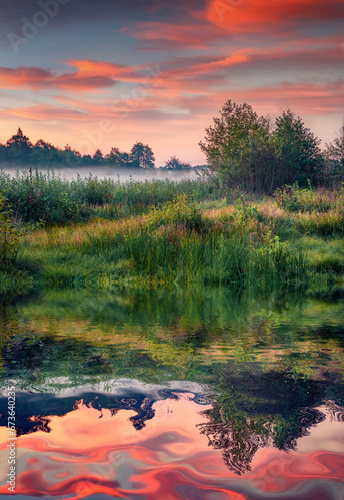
(117, 72)
(89, 76)
(195, 34)
(247, 16)
(45, 113)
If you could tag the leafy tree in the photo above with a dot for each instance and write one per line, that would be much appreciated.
(175, 164)
(335, 150)
(297, 150)
(233, 144)
(248, 151)
(98, 157)
(117, 158)
(334, 158)
(141, 156)
(45, 153)
(19, 147)
(71, 156)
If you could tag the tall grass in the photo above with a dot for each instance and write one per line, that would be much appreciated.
(50, 198)
(164, 233)
(9, 237)
(295, 199)
(175, 243)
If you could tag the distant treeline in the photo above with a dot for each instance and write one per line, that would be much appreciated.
(20, 150)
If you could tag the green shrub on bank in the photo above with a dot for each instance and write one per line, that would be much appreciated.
(294, 199)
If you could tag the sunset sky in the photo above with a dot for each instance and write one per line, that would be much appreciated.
(110, 73)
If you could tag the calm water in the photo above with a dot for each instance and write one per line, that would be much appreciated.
(205, 394)
(118, 174)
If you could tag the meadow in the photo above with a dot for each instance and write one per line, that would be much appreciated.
(99, 233)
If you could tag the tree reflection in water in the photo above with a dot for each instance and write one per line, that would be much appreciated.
(269, 409)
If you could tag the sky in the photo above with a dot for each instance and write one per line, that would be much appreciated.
(109, 73)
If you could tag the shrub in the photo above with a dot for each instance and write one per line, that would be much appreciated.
(294, 199)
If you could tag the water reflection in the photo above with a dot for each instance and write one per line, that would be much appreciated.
(269, 409)
(90, 451)
(190, 390)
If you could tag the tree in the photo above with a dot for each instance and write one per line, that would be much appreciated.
(297, 150)
(235, 143)
(250, 152)
(70, 156)
(141, 156)
(175, 164)
(336, 149)
(19, 147)
(45, 153)
(117, 158)
(98, 157)
(334, 158)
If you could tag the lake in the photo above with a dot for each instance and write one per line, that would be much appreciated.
(118, 174)
(178, 394)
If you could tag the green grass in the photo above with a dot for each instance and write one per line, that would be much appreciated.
(186, 234)
(50, 198)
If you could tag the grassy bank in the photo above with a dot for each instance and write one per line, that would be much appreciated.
(166, 234)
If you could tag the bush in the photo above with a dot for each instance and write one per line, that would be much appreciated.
(294, 199)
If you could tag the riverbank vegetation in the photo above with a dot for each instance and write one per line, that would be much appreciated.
(92, 232)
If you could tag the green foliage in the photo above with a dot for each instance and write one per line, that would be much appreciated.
(9, 237)
(244, 212)
(297, 151)
(19, 149)
(174, 243)
(164, 236)
(236, 144)
(295, 199)
(178, 212)
(323, 211)
(52, 199)
(42, 197)
(175, 164)
(335, 150)
(141, 156)
(248, 152)
(324, 224)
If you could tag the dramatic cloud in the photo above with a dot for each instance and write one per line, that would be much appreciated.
(264, 16)
(160, 70)
(90, 75)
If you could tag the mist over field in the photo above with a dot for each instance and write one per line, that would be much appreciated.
(120, 174)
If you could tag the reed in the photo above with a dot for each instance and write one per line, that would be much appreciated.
(165, 234)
